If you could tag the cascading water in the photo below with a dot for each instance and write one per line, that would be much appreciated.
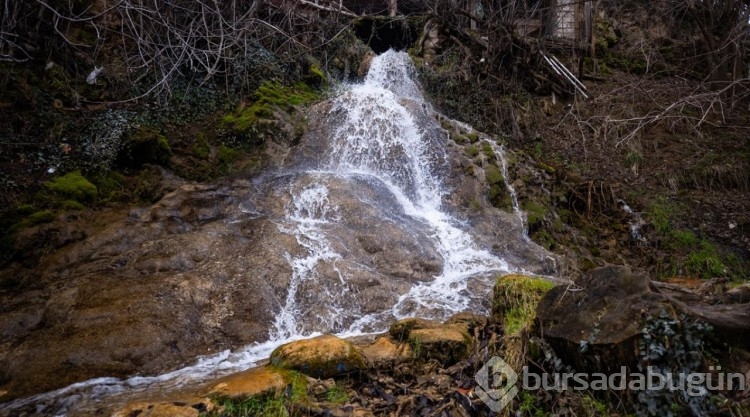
(374, 193)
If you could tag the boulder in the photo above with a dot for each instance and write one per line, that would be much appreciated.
(249, 383)
(598, 326)
(386, 350)
(607, 315)
(320, 357)
(448, 343)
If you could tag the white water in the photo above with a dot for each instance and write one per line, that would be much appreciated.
(379, 138)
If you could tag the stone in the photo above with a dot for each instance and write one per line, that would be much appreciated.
(448, 344)
(249, 383)
(432, 340)
(188, 408)
(320, 357)
(606, 314)
(386, 350)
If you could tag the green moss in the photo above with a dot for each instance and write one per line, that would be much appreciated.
(457, 137)
(201, 149)
(73, 186)
(493, 175)
(487, 150)
(471, 151)
(146, 145)
(227, 155)
(268, 98)
(39, 217)
(535, 212)
(472, 137)
(515, 301)
(25, 209)
(316, 75)
(495, 191)
(71, 205)
(111, 185)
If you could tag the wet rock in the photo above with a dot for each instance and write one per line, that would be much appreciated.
(320, 357)
(256, 381)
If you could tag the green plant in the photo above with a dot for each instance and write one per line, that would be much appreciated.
(594, 407)
(684, 239)
(660, 214)
(416, 346)
(705, 262)
(337, 395)
(528, 407)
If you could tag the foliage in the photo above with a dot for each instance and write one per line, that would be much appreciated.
(73, 185)
(676, 346)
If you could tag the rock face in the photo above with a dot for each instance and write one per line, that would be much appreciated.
(321, 357)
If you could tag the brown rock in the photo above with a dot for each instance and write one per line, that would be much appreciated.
(163, 409)
(320, 357)
(256, 381)
(432, 340)
(387, 350)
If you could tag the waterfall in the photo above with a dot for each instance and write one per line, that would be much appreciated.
(382, 171)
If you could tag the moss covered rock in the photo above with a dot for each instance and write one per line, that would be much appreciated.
(146, 145)
(250, 383)
(386, 350)
(516, 299)
(448, 343)
(73, 186)
(320, 357)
